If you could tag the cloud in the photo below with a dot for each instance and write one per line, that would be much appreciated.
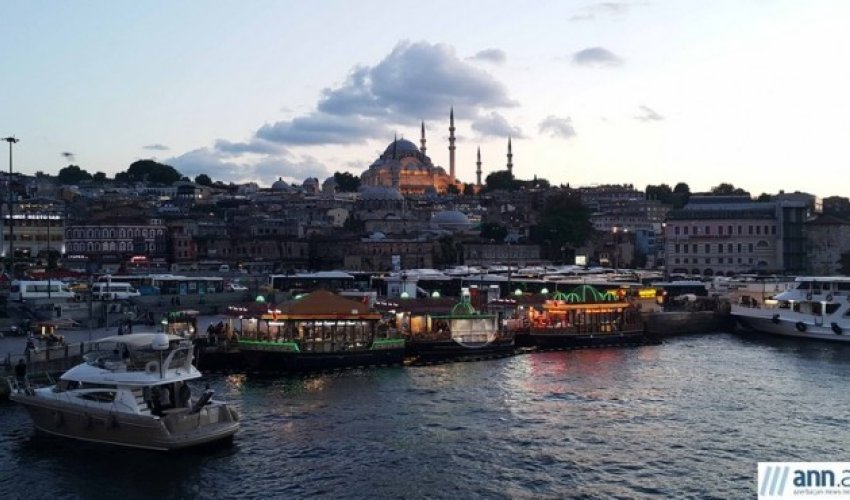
(494, 124)
(495, 56)
(322, 128)
(601, 9)
(156, 147)
(647, 114)
(265, 171)
(596, 56)
(558, 127)
(257, 146)
(416, 80)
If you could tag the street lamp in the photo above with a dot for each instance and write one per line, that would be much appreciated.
(11, 141)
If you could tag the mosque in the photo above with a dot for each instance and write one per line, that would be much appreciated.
(409, 170)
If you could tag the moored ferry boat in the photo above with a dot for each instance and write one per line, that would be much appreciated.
(584, 317)
(816, 308)
(461, 333)
(319, 331)
(131, 391)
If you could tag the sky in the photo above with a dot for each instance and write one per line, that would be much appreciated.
(748, 92)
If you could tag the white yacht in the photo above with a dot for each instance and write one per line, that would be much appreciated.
(132, 390)
(816, 308)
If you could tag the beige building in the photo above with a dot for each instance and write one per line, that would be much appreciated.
(39, 225)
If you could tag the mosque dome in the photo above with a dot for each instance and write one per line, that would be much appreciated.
(450, 219)
(401, 146)
(380, 193)
(280, 185)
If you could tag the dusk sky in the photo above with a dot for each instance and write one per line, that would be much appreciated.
(754, 93)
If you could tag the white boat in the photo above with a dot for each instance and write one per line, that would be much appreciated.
(132, 390)
(816, 308)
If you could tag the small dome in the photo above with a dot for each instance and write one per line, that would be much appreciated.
(310, 182)
(280, 185)
(401, 146)
(450, 219)
(380, 193)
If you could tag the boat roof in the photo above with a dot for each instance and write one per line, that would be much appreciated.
(138, 340)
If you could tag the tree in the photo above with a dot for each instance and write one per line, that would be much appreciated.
(72, 174)
(501, 180)
(564, 223)
(494, 231)
(99, 177)
(726, 189)
(346, 182)
(468, 189)
(452, 189)
(764, 197)
(149, 171)
(203, 180)
(681, 195)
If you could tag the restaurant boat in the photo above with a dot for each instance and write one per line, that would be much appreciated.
(318, 331)
(462, 333)
(132, 390)
(584, 317)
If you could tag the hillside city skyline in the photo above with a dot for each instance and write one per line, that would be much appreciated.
(589, 93)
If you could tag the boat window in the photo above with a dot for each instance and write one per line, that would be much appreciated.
(831, 308)
(842, 286)
(805, 285)
(99, 397)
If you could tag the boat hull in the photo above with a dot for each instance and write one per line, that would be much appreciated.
(789, 326)
(214, 424)
(566, 339)
(269, 360)
(443, 349)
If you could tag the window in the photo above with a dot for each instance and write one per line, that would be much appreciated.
(750, 230)
(762, 244)
(720, 230)
(720, 248)
(708, 260)
(773, 230)
(739, 230)
(677, 248)
(707, 248)
(686, 230)
(707, 230)
(730, 230)
(750, 246)
(676, 230)
(694, 248)
(729, 248)
(740, 248)
(685, 248)
(758, 229)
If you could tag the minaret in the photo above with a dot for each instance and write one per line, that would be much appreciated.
(395, 142)
(478, 169)
(422, 140)
(510, 157)
(452, 143)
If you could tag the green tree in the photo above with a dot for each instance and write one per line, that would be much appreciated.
(501, 180)
(468, 189)
(73, 174)
(452, 189)
(681, 195)
(99, 177)
(346, 182)
(203, 180)
(494, 231)
(764, 197)
(726, 189)
(564, 224)
(149, 171)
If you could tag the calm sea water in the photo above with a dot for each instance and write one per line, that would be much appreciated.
(689, 418)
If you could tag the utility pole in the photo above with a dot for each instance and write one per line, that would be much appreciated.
(11, 141)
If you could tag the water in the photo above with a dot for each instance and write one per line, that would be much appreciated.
(689, 418)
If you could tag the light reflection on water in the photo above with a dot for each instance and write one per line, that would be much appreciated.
(687, 418)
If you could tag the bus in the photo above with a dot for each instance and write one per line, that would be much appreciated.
(113, 290)
(170, 284)
(22, 290)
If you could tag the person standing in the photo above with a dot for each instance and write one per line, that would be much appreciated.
(21, 375)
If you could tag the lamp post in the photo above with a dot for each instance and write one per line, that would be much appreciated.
(11, 141)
